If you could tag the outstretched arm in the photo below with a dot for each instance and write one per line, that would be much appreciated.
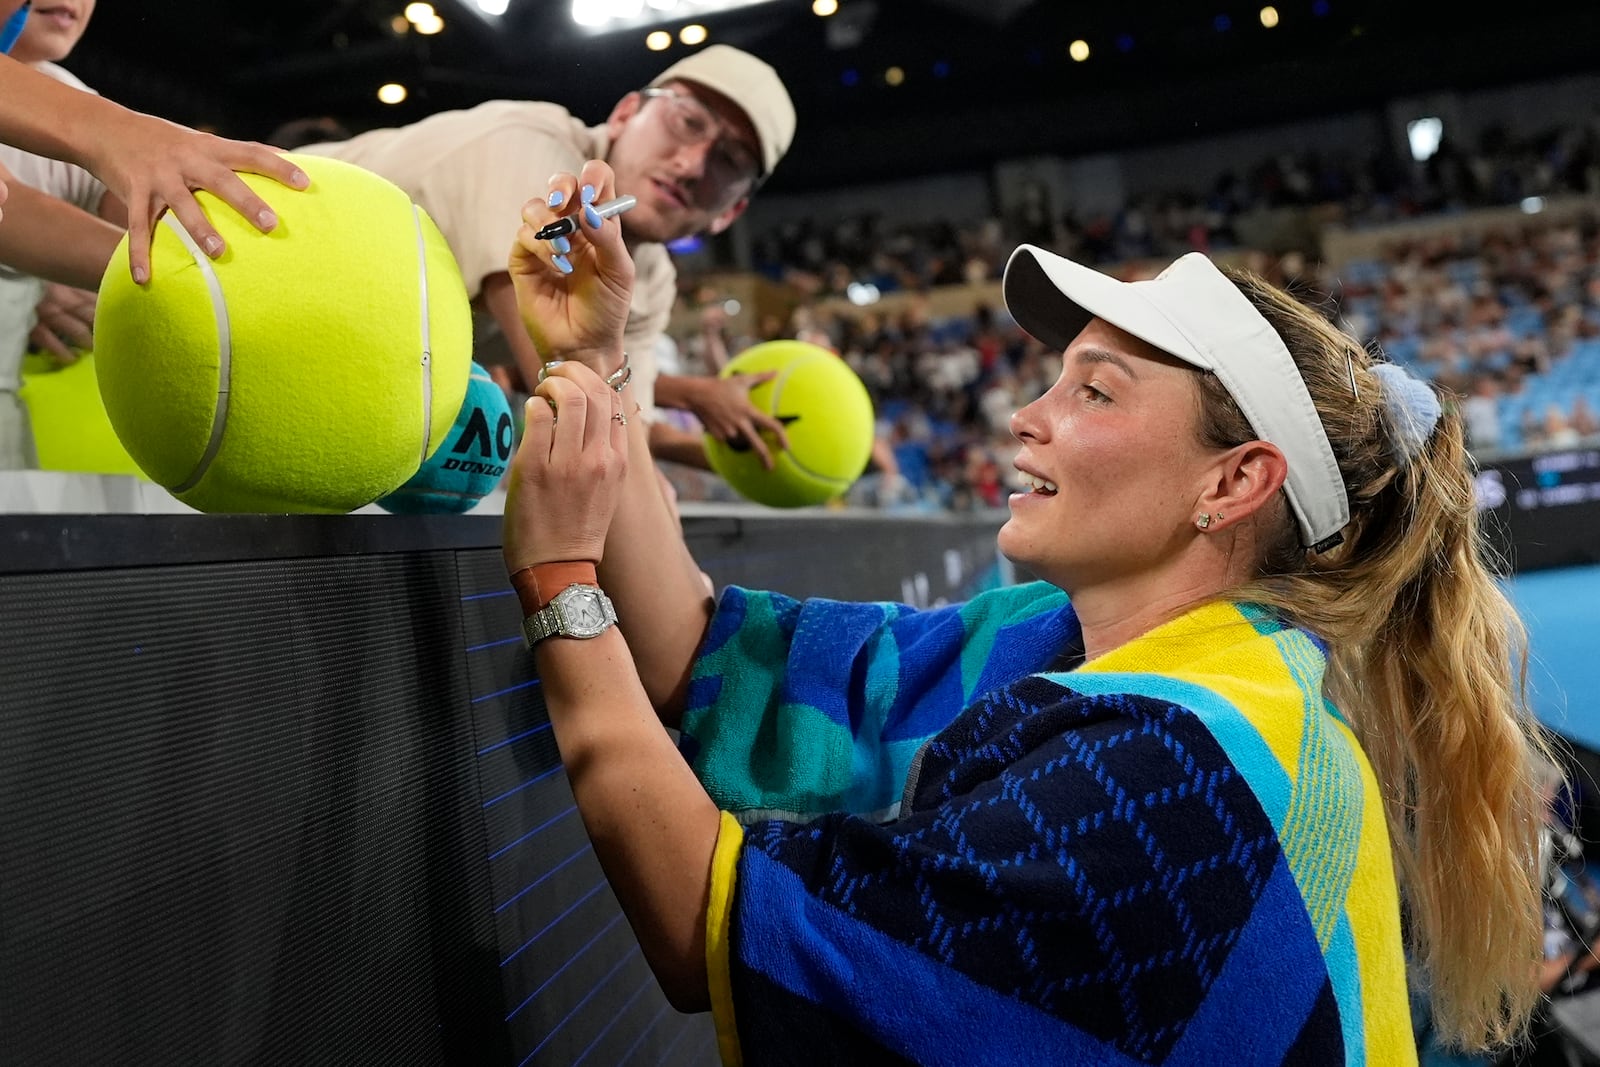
(152, 165)
(578, 314)
(54, 240)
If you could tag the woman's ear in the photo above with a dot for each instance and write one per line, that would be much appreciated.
(1246, 479)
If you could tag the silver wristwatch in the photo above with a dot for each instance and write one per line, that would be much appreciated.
(577, 611)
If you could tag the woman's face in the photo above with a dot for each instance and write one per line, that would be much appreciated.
(1117, 436)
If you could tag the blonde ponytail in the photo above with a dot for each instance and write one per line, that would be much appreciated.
(1427, 663)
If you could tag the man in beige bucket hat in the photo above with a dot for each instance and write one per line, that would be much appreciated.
(692, 147)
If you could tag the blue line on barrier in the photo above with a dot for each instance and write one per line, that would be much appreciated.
(537, 881)
(570, 959)
(554, 818)
(570, 909)
(616, 1017)
(687, 1026)
(651, 1025)
(493, 644)
(514, 738)
(536, 779)
(488, 596)
(578, 1005)
(503, 692)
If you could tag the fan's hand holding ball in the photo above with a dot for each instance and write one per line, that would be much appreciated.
(826, 413)
(313, 368)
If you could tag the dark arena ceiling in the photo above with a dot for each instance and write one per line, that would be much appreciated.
(980, 79)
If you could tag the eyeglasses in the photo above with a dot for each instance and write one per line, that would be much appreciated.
(692, 123)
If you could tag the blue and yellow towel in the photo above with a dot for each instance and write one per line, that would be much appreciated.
(1172, 854)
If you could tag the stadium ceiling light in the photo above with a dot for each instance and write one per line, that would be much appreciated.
(605, 16)
(493, 7)
(894, 76)
(692, 34)
(429, 27)
(392, 93)
(1078, 50)
(1269, 17)
(419, 12)
(824, 7)
(400, 25)
(658, 40)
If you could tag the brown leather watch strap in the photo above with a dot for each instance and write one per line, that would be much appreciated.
(536, 586)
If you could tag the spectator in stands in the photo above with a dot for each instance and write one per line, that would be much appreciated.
(1558, 433)
(692, 147)
(1231, 582)
(1481, 413)
(1584, 422)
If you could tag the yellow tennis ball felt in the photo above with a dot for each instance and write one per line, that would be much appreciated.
(827, 416)
(310, 369)
(70, 429)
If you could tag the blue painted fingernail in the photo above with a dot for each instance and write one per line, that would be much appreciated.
(562, 245)
(556, 198)
(591, 216)
(586, 194)
(562, 264)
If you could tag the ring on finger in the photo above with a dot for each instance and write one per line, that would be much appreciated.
(620, 418)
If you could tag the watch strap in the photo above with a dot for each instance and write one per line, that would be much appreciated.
(536, 586)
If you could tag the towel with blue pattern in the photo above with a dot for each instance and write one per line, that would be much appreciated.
(947, 849)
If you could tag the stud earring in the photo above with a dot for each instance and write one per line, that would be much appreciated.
(1204, 521)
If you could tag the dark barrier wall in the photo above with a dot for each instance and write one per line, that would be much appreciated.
(1544, 511)
(282, 791)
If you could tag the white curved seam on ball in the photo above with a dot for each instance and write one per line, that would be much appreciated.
(219, 308)
(427, 335)
(772, 409)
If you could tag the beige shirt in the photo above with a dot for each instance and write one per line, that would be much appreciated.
(473, 170)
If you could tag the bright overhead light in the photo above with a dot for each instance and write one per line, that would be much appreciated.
(493, 7)
(824, 7)
(894, 75)
(419, 12)
(400, 24)
(392, 93)
(658, 41)
(428, 27)
(1078, 50)
(589, 12)
(605, 16)
(692, 34)
(1269, 17)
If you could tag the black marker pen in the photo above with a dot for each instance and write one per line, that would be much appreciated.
(569, 223)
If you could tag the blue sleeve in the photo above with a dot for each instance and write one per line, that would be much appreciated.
(798, 708)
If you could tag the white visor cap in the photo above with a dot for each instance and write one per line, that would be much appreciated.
(1193, 312)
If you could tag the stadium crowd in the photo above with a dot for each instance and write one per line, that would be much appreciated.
(1506, 318)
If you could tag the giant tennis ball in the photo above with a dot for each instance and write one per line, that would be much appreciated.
(70, 429)
(310, 369)
(470, 462)
(826, 413)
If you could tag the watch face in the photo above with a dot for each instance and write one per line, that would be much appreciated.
(583, 611)
(586, 614)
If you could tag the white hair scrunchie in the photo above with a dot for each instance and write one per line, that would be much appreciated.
(1412, 408)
